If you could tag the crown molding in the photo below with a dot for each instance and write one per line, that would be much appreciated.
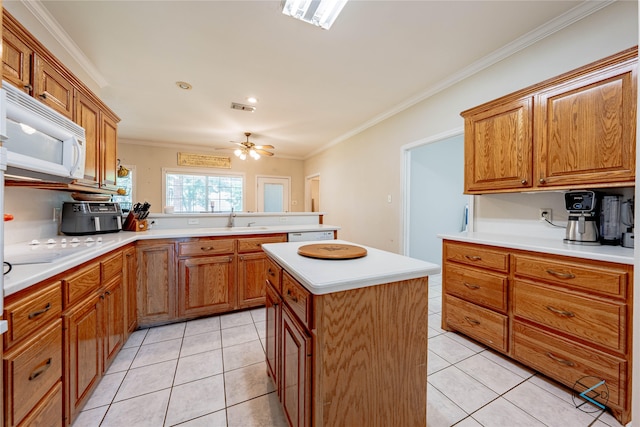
(568, 18)
(61, 36)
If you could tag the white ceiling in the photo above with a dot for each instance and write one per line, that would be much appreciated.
(315, 87)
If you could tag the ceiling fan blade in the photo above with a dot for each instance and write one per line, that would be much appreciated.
(264, 153)
(270, 147)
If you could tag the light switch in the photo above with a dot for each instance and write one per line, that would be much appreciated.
(389, 198)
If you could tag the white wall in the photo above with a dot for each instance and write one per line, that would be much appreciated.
(359, 173)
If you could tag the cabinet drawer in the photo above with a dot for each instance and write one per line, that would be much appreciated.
(206, 247)
(78, 285)
(29, 313)
(274, 275)
(595, 321)
(607, 281)
(31, 371)
(478, 256)
(297, 298)
(254, 244)
(570, 362)
(479, 323)
(111, 267)
(49, 410)
(477, 286)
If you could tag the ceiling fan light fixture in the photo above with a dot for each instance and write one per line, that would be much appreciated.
(321, 13)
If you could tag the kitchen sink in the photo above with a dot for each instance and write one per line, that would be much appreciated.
(247, 228)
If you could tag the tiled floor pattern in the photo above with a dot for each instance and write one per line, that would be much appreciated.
(211, 372)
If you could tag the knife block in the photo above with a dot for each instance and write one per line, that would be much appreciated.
(134, 224)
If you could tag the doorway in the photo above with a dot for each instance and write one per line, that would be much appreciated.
(435, 203)
(312, 191)
(273, 194)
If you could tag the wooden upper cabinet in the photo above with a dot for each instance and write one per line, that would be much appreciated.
(16, 61)
(88, 116)
(498, 147)
(108, 152)
(574, 130)
(51, 87)
(585, 129)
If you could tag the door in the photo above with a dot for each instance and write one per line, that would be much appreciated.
(273, 194)
(436, 200)
(251, 273)
(312, 191)
(206, 285)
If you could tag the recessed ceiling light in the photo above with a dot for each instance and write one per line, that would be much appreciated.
(184, 85)
(252, 100)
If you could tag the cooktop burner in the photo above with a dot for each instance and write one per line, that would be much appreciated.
(49, 250)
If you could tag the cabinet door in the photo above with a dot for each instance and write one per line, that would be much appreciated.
(156, 283)
(113, 320)
(498, 146)
(296, 371)
(206, 285)
(83, 353)
(273, 321)
(252, 270)
(87, 115)
(585, 129)
(108, 152)
(16, 61)
(130, 289)
(52, 88)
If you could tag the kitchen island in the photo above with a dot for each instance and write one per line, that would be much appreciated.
(347, 339)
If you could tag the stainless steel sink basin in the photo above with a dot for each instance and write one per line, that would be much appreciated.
(247, 228)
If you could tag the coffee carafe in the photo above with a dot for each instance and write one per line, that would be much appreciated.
(610, 220)
(582, 227)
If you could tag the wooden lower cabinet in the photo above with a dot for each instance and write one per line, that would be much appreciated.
(355, 357)
(157, 299)
(569, 318)
(296, 371)
(205, 285)
(251, 270)
(31, 371)
(130, 289)
(113, 300)
(83, 353)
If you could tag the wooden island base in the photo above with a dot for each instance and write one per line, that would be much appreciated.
(350, 358)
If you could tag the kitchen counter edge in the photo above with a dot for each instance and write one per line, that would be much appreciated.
(616, 254)
(23, 276)
(322, 276)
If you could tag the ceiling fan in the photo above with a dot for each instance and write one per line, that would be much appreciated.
(249, 148)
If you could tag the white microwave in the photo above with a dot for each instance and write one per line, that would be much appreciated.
(41, 143)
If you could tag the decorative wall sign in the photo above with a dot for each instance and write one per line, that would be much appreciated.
(206, 160)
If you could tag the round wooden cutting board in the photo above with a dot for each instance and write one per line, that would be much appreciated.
(332, 251)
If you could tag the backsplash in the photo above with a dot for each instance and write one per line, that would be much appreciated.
(33, 213)
(517, 213)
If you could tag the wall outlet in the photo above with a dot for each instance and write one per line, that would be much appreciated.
(57, 214)
(193, 221)
(544, 214)
(283, 219)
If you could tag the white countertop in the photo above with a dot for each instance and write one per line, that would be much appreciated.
(23, 276)
(321, 276)
(616, 254)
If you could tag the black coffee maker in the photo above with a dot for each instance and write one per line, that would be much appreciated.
(582, 227)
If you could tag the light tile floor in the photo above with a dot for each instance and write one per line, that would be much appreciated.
(211, 372)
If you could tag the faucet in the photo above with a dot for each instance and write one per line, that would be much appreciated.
(231, 221)
(251, 223)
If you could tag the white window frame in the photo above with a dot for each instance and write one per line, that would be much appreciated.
(197, 171)
(260, 194)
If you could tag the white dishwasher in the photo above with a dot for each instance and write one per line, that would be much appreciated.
(310, 236)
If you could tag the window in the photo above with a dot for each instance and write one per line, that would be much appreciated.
(202, 192)
(126, 182)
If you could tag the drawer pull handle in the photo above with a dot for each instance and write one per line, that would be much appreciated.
(39, 312)
(472, 321)
(564, 313)
(473, 257)
(559, 360)
(561, 275)
(293, 297)
(206, 248)
(270, 271)
(470, 286)
(39, 371)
